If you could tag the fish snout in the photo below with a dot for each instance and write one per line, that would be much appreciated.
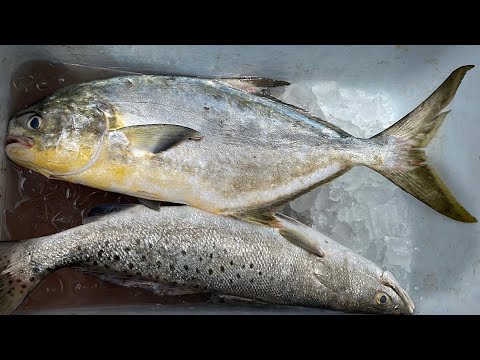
(389, 280)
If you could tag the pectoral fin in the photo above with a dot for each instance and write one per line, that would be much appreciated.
(157, 138)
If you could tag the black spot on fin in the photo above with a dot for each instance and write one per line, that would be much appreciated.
(156, 138)
(16, 277)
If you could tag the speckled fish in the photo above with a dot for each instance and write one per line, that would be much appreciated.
(221, 145)
(199, 250)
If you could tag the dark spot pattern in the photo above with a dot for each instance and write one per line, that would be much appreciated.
(210, 271)
(184, 252)
(222, 268)
(130, 266)
(185, 267)
(116, 258)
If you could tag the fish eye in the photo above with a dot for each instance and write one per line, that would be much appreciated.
(382, 299)
(34, 122)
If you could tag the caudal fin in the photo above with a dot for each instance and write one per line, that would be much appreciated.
(15, 282)
(408, 137)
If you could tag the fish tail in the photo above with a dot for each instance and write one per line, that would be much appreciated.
(15, 282)
(403, 160)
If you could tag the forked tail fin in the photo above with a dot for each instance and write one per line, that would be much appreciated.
(407, 167)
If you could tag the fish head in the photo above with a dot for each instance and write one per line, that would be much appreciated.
(358, 285)
(58, 136)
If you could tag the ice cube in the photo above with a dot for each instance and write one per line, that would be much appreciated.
(361, 209)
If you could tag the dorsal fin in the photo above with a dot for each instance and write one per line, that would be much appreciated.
(259, 86)
(306, 113)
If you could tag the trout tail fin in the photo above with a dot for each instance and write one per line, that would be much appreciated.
(15, 282)
(407, 165)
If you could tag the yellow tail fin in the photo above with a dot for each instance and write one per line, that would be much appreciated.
(408, 137)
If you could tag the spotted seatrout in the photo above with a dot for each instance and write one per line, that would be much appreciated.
(206, 252)
(220, 145)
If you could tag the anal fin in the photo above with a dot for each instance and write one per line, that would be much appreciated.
(290, 233)
(254, 85)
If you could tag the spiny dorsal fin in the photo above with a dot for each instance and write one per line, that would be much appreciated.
(156, 138)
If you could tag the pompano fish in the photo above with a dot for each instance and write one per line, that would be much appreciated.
(199, 250)
(221, 145)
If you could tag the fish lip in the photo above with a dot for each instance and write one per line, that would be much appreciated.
(22, 140)
(389, 280)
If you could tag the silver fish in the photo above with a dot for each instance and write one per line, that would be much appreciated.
(220, 145)
(202, 251)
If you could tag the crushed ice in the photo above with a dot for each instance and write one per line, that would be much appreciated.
(360, 209)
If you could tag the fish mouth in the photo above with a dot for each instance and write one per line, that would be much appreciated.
(22, 140)
(390, 281)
